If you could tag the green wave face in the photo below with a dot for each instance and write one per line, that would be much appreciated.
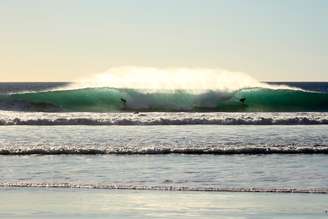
(74, 100)
(110, 99)
(284, 100)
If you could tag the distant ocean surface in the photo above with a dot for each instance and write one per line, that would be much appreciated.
(253, 139)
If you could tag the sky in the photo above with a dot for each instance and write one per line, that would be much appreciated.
(64, 40)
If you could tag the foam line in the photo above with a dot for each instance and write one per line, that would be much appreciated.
(158, 188)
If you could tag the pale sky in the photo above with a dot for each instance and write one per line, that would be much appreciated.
(63, 40)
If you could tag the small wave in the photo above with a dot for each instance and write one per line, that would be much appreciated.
(189, 121)
(251, 150)
(144, 119)
(158, 188)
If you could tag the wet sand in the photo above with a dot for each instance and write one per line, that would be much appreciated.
(90, 203)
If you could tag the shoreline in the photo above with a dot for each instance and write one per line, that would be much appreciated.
(84, 203)
(163, 188)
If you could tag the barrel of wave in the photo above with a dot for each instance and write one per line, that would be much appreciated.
(107, 99)
(283, 100)
(110, 99)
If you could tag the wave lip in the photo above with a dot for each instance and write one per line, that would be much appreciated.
(158, 188)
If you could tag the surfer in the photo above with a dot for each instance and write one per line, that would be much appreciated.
(123, 101)
(242, 100)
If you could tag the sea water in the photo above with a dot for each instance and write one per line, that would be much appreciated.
(47, 143)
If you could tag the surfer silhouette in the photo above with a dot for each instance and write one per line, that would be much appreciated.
(123, 101)
(242, 100)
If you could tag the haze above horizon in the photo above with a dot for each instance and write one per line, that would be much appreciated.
(68, 40)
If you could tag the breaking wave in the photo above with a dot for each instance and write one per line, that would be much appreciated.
(131, 100)
(148, 89)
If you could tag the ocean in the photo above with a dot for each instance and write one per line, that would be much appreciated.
(95, 141)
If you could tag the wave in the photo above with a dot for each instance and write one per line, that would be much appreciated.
(218, 150)
(130, 100)
(158, 188)
(166, 121)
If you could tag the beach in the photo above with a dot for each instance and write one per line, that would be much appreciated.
(85, 203)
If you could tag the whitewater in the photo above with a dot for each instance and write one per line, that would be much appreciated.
(161, 118)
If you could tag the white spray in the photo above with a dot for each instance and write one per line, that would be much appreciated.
(151, 78)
